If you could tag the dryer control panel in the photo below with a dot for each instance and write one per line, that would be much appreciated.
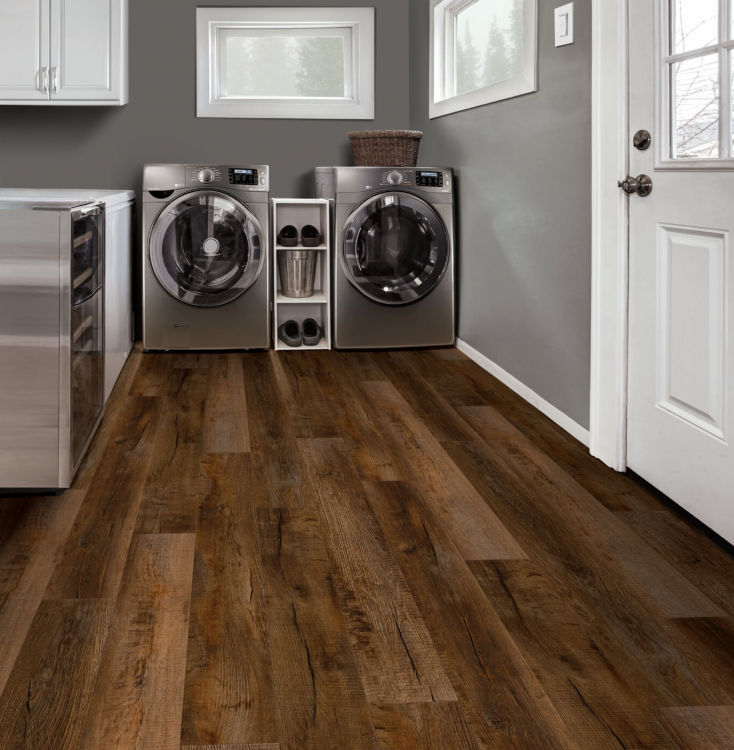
(429, 179)
(407, 178)
(246, 178)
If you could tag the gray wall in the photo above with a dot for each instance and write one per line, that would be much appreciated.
(523, 166)
(524, 176)
(105, 147)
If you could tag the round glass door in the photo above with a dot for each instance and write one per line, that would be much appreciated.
(395, 249)
(206, 249)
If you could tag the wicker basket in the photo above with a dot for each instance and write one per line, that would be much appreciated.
(385, 148)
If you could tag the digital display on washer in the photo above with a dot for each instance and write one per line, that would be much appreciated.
(429, 179)
(243, 176)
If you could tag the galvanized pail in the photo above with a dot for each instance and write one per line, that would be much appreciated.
(297, 270)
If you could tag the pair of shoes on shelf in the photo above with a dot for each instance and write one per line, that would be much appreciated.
(310, 236)
(294, 334)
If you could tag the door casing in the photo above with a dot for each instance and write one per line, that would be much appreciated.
(610, 234)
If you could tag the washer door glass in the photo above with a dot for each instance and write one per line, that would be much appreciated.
(206, 249)
(395, 249)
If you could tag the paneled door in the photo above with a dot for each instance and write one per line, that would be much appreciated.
(86, 50)
(681, 353)
(24, 61)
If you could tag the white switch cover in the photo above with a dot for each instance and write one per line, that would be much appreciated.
(564, 25)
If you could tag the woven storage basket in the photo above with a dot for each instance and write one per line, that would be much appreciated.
(385, 148)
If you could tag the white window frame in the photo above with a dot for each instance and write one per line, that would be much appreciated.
(443, 99)
(664, 25)
(215, 24)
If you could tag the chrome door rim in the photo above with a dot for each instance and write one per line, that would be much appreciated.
(367, 208)
(255, 262)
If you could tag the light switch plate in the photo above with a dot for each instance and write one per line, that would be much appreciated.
(564, 25)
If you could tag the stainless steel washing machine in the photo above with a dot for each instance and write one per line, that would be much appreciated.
(394, 255)
(206, 259)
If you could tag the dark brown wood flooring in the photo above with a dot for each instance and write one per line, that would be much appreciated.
(354, 551)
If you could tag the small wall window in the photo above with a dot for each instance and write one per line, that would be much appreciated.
(312, 63)
(482, 51)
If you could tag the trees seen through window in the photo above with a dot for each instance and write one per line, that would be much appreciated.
(489, 43)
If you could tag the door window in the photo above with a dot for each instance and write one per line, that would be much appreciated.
(697, 82)
(395, 249)
(205, 249)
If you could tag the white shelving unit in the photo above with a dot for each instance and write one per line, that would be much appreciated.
(298, 213)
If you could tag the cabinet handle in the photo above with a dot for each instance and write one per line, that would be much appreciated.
(44, 80)
(55, 79)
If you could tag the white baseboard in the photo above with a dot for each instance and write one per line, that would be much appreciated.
(550, 411)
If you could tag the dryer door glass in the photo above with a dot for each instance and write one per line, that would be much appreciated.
(395, 249)
(206, 249)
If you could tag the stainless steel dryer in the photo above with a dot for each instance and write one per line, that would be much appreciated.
(394, 255)
(206, 260)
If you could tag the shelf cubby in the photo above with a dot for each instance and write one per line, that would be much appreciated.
(299, 213)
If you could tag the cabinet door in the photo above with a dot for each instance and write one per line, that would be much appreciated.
(24, 40)
(86, 50)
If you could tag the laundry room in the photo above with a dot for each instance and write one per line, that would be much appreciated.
(352, 384)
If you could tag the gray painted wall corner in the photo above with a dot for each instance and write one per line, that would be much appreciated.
(524, 179)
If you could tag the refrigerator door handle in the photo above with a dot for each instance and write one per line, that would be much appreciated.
(93, 210)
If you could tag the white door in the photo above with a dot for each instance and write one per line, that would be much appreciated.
(681, 355)
(24, 63)
(85, 50)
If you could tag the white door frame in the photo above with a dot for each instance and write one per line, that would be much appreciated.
(610, 234)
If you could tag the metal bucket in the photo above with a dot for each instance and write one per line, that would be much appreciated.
(297, 270)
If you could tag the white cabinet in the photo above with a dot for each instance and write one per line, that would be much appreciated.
(24, 50)
(63, 52)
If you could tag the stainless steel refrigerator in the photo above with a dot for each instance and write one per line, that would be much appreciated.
(51, 339)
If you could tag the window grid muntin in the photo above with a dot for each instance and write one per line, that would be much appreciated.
(723, 49)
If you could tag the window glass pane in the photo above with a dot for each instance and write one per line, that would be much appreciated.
(695, 24)
(695, 89)
(279, 66)
(488, 43)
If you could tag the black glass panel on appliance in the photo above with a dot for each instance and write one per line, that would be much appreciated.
(87, 386)
(86, 267)
(206, 249)
(395, 249)
(87, 328)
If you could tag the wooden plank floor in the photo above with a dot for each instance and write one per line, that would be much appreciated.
(354, 551)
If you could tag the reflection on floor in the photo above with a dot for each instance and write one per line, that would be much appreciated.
(348, 551)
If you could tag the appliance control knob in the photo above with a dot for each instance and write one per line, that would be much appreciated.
(206, 175)
(395, 178)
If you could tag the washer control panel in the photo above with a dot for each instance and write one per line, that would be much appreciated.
(397, 176)
(407, 177)
(251, 179)
(241, 176)
(429, 179)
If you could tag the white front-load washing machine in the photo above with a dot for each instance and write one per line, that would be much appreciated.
(394, 255)
(206, 267)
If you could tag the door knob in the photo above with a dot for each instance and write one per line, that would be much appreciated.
(641, 185)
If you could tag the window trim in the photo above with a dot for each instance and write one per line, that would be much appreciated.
(664, 60)
(442, 99)
(212, 23)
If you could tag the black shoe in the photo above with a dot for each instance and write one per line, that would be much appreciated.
(288, 236)
(310, 236)
(312, 332)
(290, 333)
